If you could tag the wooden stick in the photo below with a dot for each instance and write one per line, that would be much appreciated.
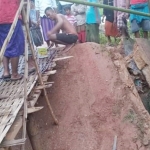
(34, 109)
(62, 58)
(37, 68)
(115, 143)
(7, 40)
(25, 78)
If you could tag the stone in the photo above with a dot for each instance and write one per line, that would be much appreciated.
(145, 141)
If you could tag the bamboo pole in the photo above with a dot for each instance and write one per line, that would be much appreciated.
(37, 68)
(108, 7)
(25, 79)
(3, 49)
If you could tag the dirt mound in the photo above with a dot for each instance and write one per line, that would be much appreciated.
(92, 104)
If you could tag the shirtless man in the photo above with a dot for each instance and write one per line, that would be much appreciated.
(69, 36)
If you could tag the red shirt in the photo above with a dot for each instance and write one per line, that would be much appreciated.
(132, 2)
(8, 9)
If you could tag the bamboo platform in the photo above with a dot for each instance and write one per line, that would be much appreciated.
(12, 93)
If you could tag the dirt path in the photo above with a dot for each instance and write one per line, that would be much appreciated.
(91, 104)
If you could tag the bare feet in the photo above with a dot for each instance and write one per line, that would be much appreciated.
(16, 77)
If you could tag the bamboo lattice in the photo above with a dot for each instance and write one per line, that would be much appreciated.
(14, 91)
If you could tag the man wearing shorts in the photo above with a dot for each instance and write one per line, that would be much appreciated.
(137, 21)
(69, 36)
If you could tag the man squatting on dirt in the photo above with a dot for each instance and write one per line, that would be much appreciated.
(68, 36)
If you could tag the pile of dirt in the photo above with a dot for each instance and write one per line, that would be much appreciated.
(93, 105)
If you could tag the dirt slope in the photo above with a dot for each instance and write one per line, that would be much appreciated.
(92, 105)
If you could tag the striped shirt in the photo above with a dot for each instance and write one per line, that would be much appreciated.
(71, 19)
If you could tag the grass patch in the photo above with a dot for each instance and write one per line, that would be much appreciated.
(130, 116)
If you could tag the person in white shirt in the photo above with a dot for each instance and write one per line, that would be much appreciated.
(46, 23)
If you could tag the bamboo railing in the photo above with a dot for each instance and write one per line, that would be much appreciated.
(107, 7)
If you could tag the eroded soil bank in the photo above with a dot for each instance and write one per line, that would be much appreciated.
(93, 105)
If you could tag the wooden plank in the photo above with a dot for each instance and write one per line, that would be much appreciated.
(144, 49)
(49, 73)
(62, 58)
(34, 109)
(25, 113)
(35, 98)
(137, 56)
(14, 129)
(41, 87)
(12, 143)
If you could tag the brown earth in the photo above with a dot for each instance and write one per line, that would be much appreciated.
(92, 104)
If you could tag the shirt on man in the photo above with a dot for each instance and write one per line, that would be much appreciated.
(108, 12)
(8, 9)
(41, 5)
(92, 13)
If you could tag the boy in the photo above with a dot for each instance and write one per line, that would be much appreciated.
(69, 36)
(137, 21)
(71, 18)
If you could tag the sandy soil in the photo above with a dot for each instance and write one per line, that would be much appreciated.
(91, 104)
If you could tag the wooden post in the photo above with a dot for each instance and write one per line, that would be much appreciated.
(37, 67)
(33, 130)
(25, 80)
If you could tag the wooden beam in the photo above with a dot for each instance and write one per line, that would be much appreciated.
(34, 109)
(62, 58)
(13, 143)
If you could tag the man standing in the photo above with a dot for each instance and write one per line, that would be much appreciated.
(46, 23)
(79, 11)
(120, 18)
(15, 47)
(137, 21)
(93, 20)
(110, 27)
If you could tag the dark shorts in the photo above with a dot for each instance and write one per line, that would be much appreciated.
(67, 38)
(145, 25)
